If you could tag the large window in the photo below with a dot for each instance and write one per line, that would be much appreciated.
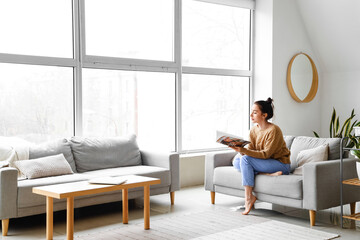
(36, 27)
(215, 36)
(212, 103)
(171, 71)
(141, 29)
(36, 102)
(118, 103)
(215, 85)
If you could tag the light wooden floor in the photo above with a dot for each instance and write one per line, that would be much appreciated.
(187, 200)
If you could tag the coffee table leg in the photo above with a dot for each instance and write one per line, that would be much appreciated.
(70, 218)
(125, 207)
(147, 207)
(49, 218)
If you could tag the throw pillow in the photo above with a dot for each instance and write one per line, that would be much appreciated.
(53, 147)
(44, 167)
(317, 154)
(94, 153)
(301, 143)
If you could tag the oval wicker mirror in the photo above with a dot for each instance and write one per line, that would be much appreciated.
(302, 78)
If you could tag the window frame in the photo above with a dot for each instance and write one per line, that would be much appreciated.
(81, 60)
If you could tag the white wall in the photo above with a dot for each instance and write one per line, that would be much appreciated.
(192, 170)
(327, 30)
(334, 30)
(284, 37)
(341, 91)
(262, 80)
(290, 37)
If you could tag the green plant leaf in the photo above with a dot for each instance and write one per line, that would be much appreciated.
(315, 134)
(338, 131)
(347, 126)
(356, 153)
(332, 121)
(352, 142)
(351, 128)
(336, 127)
(354, 124)
(356, 141)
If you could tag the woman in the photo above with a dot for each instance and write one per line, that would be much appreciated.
(266, 154)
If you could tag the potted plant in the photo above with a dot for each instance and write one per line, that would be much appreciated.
(346, 131)
(356, 153)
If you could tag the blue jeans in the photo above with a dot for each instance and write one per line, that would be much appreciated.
(249, 167)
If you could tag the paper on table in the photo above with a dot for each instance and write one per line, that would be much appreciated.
(108, 180)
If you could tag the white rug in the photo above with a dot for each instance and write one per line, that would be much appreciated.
(215, 224)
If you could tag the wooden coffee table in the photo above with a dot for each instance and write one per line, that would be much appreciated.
(75, 189)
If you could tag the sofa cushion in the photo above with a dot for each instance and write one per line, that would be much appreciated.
(303, 143)
(317, 154)
(289, 140)
(100, 153)
(44, 167)
(53, 148)
(28, 199)
(288, 186)
(228, 176)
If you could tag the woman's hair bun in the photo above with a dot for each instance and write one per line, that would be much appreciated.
(269, 100)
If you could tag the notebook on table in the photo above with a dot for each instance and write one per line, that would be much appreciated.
(108, 180)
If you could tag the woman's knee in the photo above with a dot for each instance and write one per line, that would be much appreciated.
(244, 159)
(287, 169)
(236, 163)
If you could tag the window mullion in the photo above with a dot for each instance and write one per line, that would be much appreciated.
(93, 61)
(215, 71)
(36, 60)
(78, 53)
(178, 61)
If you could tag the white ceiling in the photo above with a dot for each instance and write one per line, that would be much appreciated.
(333, 28)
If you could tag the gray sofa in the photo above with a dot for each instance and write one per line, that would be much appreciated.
(88, 158)
(317, 189)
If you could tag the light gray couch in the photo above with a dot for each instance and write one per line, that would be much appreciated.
(317, 189)
(88, 158)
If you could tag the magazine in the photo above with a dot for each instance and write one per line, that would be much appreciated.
(230, 140)
(108, 180)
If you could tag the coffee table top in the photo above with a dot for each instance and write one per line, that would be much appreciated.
(81, 188)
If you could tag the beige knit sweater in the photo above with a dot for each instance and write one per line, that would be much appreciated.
(267, 144)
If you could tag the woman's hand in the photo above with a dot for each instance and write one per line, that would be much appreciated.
(238, 149)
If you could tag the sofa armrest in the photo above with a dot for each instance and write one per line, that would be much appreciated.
(8, 192)
(214, 160)
(321, 184)
(165, 160)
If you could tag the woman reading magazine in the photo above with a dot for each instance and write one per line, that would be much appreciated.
(266, 153)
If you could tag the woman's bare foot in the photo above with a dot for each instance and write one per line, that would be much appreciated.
(249, 205)
(278, 173)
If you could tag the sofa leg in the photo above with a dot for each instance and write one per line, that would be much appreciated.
(5, 226)
(212, 197)
(312, 214)
(172, 198)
